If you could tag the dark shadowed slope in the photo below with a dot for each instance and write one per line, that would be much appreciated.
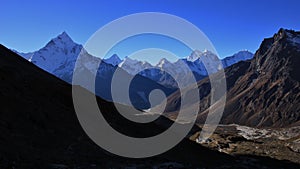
(39, 127)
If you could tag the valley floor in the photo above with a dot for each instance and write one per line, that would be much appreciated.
(280, 144)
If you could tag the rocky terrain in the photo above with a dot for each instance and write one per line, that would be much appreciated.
(262, 112)
(281, 144)
(261, 92)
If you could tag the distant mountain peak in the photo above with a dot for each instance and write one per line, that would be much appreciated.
(59, 54)
(127, 61)
(115, 56)
(64, 36)
(197, 54)
(194, 56)
(113, 60)
(237, 57)
(245, 51)
(163, 62)
(61, 40)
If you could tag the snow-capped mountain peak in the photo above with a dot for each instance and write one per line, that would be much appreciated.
(64, 35)
(133, 66)
(196, 55)
(59, 53)
(163, 63)
(127, 60)
(113, 60)
(63, 41)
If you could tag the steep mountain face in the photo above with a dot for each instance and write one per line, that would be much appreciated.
(262, 92)
(39, 129)
(60, 53)
(58, 57)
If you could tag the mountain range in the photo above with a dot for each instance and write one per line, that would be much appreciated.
(58, 57)
(264, 87)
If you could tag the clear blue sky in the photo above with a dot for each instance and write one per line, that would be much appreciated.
(231, 25)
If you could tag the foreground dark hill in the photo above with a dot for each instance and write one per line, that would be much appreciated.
(262, 92)
(39, 128)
